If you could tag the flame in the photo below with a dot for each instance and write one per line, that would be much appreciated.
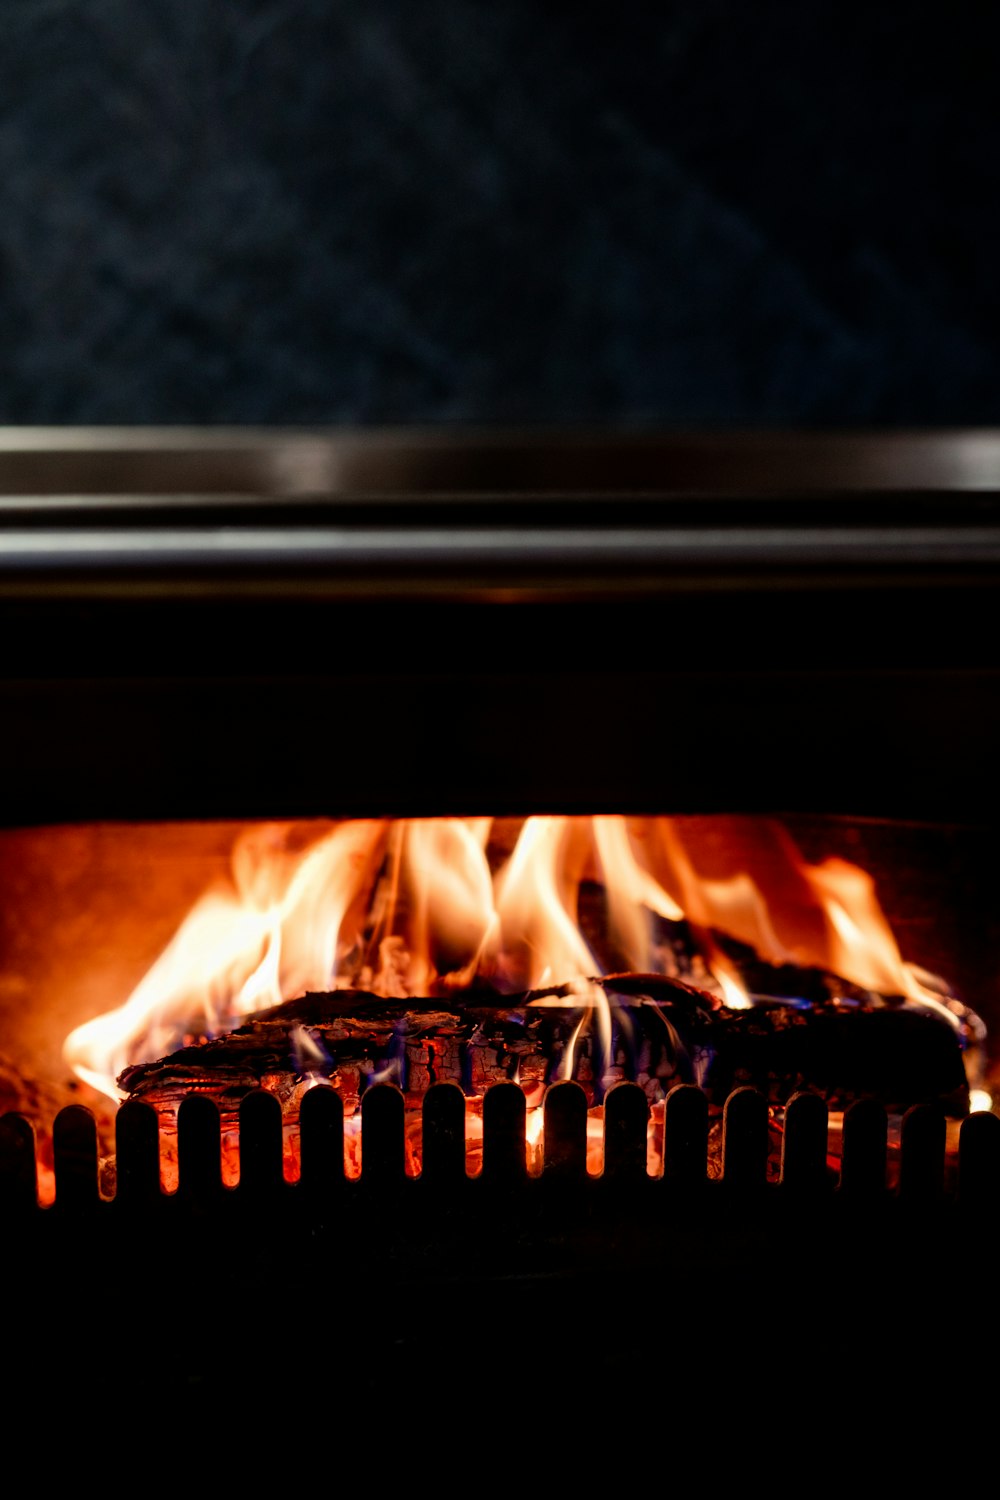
(442, 893)
(536, 904)
(733, 991)
(633, 892)
(861, 944)
(424, 907)
(273, 933)
(565, 1068)
(534, 1125)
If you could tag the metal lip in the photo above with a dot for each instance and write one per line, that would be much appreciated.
(487, 564)
(436, 550)
(248, 461)
(490, 514)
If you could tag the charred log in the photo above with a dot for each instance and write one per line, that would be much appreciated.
(661, 1032)
(898, 1056)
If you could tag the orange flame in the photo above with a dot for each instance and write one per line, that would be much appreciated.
(426, 906)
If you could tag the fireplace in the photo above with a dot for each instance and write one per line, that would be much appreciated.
(211, 630)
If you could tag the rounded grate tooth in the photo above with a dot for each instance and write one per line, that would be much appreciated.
(383, 1138)
(18, 1169)
(864, 1150)
(75, 1158)
(804, 1144)
(564, 1152)
(745, 1139)
(504, 1147)
(626, 1119)
(199, 1150)
(321, 1126)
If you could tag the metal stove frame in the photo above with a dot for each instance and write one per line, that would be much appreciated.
(170, 598)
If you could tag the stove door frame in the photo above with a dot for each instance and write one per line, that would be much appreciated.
(247, 623)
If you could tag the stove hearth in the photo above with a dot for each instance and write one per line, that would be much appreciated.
(795, 629)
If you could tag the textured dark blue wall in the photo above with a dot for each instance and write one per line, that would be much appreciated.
(379, 210)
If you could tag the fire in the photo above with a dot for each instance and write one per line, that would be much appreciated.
(274, 931)
(427, 908)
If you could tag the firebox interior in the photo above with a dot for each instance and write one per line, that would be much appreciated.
(180, 914)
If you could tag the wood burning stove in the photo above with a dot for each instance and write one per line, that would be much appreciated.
(253, 625)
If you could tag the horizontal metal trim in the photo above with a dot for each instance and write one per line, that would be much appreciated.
(507, 550)
(420, 461)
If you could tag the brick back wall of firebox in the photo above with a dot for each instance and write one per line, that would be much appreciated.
(698, 214)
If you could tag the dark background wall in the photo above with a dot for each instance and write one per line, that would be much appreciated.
(696, 214)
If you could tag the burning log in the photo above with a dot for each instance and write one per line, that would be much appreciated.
(898, 1056)
(655, 1031)
(439, 926)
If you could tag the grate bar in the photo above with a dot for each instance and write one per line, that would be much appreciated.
(805, 1170)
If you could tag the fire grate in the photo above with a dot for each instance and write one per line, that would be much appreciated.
(401, 1280)
(926, 1177)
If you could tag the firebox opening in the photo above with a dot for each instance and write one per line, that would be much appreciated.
(853, 957)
